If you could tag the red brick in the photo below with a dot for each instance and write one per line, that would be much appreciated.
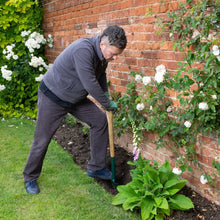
(120, 89)
(115, 81)
(131, 61)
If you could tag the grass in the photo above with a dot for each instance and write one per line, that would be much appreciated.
(66, 191)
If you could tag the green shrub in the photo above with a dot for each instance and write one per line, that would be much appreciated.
(153, 190)
(21, 55)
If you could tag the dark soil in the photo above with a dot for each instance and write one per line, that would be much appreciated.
(73, 140)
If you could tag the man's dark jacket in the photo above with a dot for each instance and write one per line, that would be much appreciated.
(78, 71)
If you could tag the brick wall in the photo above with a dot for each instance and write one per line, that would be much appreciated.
(68, 20)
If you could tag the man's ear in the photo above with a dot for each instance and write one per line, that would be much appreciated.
(102, 44)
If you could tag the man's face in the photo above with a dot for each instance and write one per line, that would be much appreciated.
(110, 52)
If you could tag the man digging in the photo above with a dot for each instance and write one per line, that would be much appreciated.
(78, 71)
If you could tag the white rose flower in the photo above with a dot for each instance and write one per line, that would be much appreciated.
(214, 96)
(146, 80)
(187, 124)
(6, 74)
(34, 41)
(138, 78)
(169, 109)
(8, 56)
(159, 77)
(25, 33)
(195, 34)
(203, 179)
(9, 48)
(215, 50)
(177, 171)
(39, 78)
(37, 61)
(151, 108)
(15, 57)
(140, 107)
(203, 106)
(2, 87)
(161, 69)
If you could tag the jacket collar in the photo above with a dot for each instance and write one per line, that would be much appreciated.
(98, 49)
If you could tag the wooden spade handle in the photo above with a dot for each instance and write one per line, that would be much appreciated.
(110, 133)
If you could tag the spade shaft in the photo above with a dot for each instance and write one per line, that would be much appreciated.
(111, 145)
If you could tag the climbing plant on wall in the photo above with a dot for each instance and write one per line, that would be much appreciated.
(194, 30)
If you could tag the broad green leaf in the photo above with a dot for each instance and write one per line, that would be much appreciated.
(148, 193)
(156, 187)
(118, 199)
(131, 203)
(164, 172)
(161, 203)
(152, 174)
(164, 204)
(154, 211)
(180, 202)
(147, 205)
(126, 191)
(174, 185)
(158, 201)
(165, 211)
(159, 217)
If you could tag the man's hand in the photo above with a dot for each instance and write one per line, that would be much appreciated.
(112, 107)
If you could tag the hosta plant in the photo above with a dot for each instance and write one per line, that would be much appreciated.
(153, 189)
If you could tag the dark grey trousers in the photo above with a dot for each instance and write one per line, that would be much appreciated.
(48, 119)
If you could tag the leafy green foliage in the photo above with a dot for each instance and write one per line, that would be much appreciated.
(19, 92)
(72, 121)
(153, 189)
(193, 28)
(17, 16)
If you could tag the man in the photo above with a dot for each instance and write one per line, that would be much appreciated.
(78, 71)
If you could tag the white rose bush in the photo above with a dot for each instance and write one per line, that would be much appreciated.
(23, 70)
(196, 81)
(23, 64)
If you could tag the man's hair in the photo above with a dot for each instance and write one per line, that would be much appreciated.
(115, 36)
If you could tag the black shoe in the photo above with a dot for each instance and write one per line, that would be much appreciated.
(104, 174)
(32, 187)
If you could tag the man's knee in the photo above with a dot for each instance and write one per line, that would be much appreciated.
(101, 121)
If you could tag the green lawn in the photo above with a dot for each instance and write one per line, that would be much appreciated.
(66, 191)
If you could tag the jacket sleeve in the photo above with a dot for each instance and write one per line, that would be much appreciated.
(103, 82)
(83, 59)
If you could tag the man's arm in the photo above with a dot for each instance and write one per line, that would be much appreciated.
(83, 59)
